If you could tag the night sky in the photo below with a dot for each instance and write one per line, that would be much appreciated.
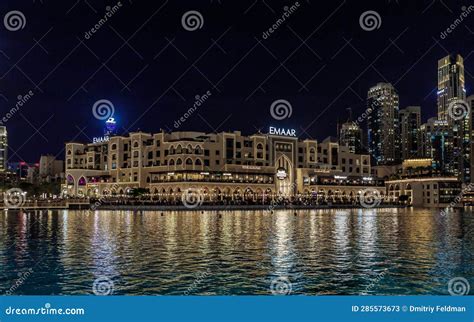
(151, 68)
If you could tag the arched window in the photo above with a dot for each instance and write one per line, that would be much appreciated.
(135, 144)
(179, 149)
(179, 162)
(197, 150)
(171, 162)
(260, 146)
(198, 162)
(114, 146)
(189, 161)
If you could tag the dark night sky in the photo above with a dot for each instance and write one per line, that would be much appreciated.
(151, 82)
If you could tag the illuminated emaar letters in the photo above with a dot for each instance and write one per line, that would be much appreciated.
(284, 132)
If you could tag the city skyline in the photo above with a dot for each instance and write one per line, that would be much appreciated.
(317, 106)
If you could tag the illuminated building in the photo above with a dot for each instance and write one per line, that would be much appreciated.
(424, 192)
(410, 119)
(450, 83)
(350, 136)
(469, 140)
(3, 148)
(383, 124)
(434, 140)
(451, 88)
(222, 166)
(50, 169)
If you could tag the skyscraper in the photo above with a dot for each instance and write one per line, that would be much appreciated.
(383, 124)
(434, 136)
(470, 139)
(450, 83)
(3, 148)
(351, 136)
(453, 108)
(410, 121)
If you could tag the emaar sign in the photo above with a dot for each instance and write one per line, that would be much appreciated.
(283, 132)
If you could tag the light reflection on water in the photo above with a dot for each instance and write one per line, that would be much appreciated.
(319, 251)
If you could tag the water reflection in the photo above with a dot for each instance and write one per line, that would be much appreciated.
(237, 252)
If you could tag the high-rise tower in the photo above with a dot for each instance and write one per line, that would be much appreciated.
(3, 148)
(450, 83)
(383, 124)
(410, 121)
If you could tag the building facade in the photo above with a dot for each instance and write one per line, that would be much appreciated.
(435, 136)
(3, 149)
(410, 121)
(450, 83)
(383, 124)
(425, 192)
(50, 169)
(222, 166)
(350, 136)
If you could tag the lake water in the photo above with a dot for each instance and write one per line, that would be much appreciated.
(316, 252)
